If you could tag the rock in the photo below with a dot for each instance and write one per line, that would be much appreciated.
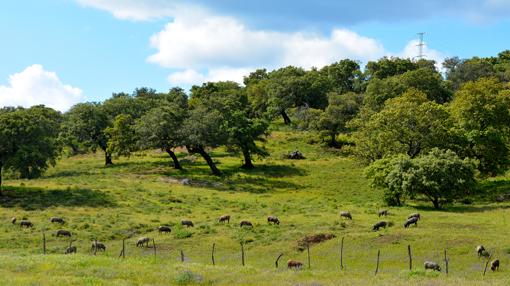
(186, 182)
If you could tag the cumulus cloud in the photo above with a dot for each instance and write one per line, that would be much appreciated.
(227, 48)
(411, 51)
(34, 86)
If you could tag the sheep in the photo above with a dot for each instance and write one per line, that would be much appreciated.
(346, 215)
(164, 229)
(379, 225)
(57, 220)
(25, 223)
(432, 265)
(187, 223)
(246, 223)
(143, 240)
(481, 251)
(273, 219)
(413, 220)
(98, 245)
(62, 232)
(225, 218)
(294, 264)
(495, 265)
(383, 213)
(71, 249)
(13, 220)
(417, 215)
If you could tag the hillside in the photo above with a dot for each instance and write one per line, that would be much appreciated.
(137, 194)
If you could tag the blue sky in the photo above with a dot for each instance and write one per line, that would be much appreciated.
(59, 52)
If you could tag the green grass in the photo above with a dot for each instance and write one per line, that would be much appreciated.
(137, 194)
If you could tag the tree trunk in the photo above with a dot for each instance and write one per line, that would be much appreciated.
(1, 169)
(107, 159)
(208, 159)
(333, 143)
(177, 165)
(247, 159)
(286, 118)
(435, 201)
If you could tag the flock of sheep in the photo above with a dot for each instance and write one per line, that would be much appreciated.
(291, 264)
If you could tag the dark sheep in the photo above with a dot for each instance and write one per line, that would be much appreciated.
(432, 265)
(26, 223)
(482, 251)
(413, 220)
(495, 265)
(57, 220)
(13, 220)
(383, 213)
(379, 225)
(246, 223)
(143, 240)
(71, 249)
(273, 219)
(98, 245)
(187, 223)
(164, 229)
(294, 264)
(417, 215)
(346, 215)
(62, 232)
(225, 218)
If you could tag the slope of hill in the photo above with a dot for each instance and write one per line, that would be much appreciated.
(136, 195)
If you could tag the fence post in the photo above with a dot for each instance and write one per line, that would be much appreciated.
(410, 257)
(486, 264)
(308, 252)
(154, 246)
(446, 262)
(277, 259)
(342, 254)
(95, 246)
(242, 253)
(122, 252)
(377, 267)
(212, 253)
(44, 242)
(182, 256)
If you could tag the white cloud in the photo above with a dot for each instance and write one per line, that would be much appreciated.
(136, 10)
(411, 51)
(34, 86)
(226, 48)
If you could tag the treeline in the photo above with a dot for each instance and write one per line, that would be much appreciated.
(400, 117)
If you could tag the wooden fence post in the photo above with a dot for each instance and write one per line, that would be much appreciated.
(308, 253)
(154, 246)
(123, 251)
(277, 259)
(342, 254)
(242, 253)
(377, 267)
(410, 257)
(212, 253)
(44, 242)
(486, 264)
(446, 262)
(95, 246)
(182, 256)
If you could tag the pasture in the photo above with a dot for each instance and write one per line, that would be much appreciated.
(136, 195)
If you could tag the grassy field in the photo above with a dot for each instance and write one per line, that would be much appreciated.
(137, 194)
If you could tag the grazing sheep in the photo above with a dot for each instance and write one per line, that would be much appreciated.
(417, 215)
(187, 223)
(413, 220)
(62, 232)
(482, 251)
(225, 218)
(246, 223)
(432, 265)
(273, 219)
(143, 240)
(383, 213)
(26, 223)
(379, 225)
(346, 215)
(495, 265)
(13, 220)
(164, 229)
(294, 264)
(57, 220)
(98, 245)
(71, 249)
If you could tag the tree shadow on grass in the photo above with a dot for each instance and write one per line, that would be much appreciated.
(38, 198)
